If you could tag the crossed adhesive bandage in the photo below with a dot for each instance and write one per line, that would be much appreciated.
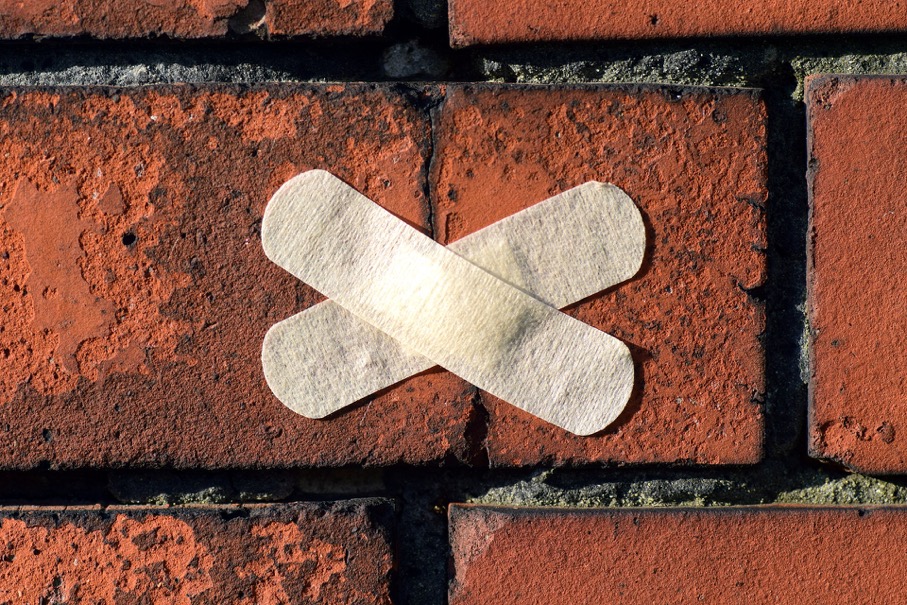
(485, 308)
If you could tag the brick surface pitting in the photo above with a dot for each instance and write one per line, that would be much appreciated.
(191, 18)
(327, 17)
(293, 554)
(694, 162)
(759, 556)
(857, 315)
(483, 22)
(136, 293)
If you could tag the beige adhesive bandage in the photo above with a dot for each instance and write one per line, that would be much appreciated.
(605, 244)
(438, 304)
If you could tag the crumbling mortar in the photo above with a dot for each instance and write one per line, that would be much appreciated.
(766, 485)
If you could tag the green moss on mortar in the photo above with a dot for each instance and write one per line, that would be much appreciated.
(772, 483)
(704, 66)
(851, 489)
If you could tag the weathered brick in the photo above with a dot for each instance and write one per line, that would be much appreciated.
(759, 556)
(328, 17)
(483, 22)
(857, 316)
(136, 293)
(300, 553)
(191, 18)
(694, 162)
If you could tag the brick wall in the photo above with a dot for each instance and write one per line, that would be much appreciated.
(762, 456)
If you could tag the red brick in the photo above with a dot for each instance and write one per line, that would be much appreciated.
(694, 162)
(857, 316)
(759, 556)
(301, 553)
(483, 22)
(328, 17)
(190, 18)
(136, 293)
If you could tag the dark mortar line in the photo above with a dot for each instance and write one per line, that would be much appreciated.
(787, 208)
(146, 63)
(755, 484)
(91, 62)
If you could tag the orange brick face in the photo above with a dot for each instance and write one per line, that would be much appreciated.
(190, 18)
(693, 329)
(481, 22)
(750, 555)
(857, 314)
(139, 295)
(328, 17)
(304, 553)
(136, 291)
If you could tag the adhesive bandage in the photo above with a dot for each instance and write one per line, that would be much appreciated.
(401, 303)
